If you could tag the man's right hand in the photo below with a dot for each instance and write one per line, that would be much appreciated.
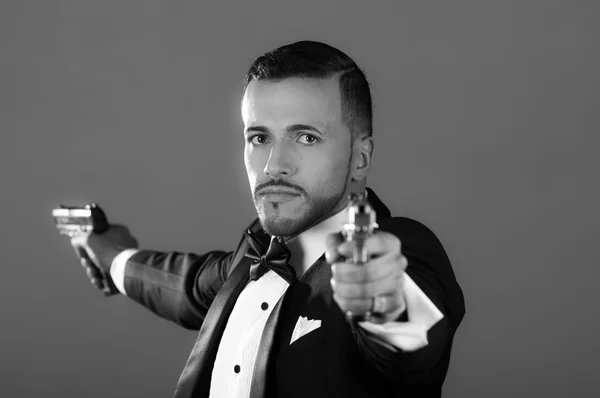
(96, 252)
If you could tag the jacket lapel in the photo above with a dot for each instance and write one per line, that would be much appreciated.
(195, 378)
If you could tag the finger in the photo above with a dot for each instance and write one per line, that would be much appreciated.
(78, 243)
(367, 289)
(356, 306)
(86, 257)
(331, 243)
(391, 303)
(93, 273)
(378, 244)
(387, 266)
(97, 284)
(86, 262)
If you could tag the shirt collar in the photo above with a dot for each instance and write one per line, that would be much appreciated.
(310, 245)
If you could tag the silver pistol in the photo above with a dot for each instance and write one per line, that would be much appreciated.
(360, 225)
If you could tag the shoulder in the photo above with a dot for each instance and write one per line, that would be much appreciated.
(408, 229)
(405, 223)
(421, 245)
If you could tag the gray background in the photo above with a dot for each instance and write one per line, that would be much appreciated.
(486, 115)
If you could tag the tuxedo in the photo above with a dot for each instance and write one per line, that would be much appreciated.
(337, 359)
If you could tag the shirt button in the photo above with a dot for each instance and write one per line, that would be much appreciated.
(236, 368)
(264, 306)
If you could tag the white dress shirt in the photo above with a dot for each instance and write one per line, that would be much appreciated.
(234, 363)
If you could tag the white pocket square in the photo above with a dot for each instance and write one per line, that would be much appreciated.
(303, 327)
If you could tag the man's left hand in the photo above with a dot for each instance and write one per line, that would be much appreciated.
(374, 286)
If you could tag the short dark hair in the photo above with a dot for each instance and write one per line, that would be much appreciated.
(318, 60)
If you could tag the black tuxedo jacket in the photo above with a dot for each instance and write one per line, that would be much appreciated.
(335, 360)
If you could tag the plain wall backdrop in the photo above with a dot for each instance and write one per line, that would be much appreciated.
(486, 123)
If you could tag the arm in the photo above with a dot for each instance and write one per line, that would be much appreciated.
(431, 271)
(176, 286)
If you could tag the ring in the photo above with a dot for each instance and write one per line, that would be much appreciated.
(350, 316)
(379, 304)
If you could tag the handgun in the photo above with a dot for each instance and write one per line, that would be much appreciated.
(360, 225)
(72, 221)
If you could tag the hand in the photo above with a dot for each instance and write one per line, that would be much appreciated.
(96, 252)
(356, 286)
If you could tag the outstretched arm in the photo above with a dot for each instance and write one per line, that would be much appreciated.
(176, 286)
(414, 273)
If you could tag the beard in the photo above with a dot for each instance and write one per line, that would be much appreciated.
(318, 207)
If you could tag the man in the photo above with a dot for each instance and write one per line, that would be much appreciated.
(272, 313)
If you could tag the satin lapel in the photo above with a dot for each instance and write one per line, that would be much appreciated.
(195, 378)
(290, 304)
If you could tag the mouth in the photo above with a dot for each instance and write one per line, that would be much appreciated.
(271, 195)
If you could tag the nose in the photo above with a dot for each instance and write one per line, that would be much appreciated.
(279, 163)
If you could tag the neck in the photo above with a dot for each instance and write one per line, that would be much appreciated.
(308, 246)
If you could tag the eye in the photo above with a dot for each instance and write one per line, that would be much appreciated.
(309, 138)
(257, 139)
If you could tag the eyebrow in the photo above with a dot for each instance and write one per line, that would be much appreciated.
(289, 129)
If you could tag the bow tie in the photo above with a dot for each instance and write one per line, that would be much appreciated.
(274, 258)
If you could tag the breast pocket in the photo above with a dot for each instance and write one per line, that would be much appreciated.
(310, 341)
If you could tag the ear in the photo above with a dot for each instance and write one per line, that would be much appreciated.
(362, 154)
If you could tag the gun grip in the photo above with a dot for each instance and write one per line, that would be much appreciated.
(106, 285)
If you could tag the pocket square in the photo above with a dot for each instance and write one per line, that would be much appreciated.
(304, 326)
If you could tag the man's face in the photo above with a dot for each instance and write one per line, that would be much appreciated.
(297, 152)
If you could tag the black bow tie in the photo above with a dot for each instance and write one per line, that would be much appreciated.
(275, 258)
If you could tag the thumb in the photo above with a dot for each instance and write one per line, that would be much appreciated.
(83, 251)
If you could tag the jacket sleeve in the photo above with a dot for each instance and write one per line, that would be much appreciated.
(179, 287)
(430, 268)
